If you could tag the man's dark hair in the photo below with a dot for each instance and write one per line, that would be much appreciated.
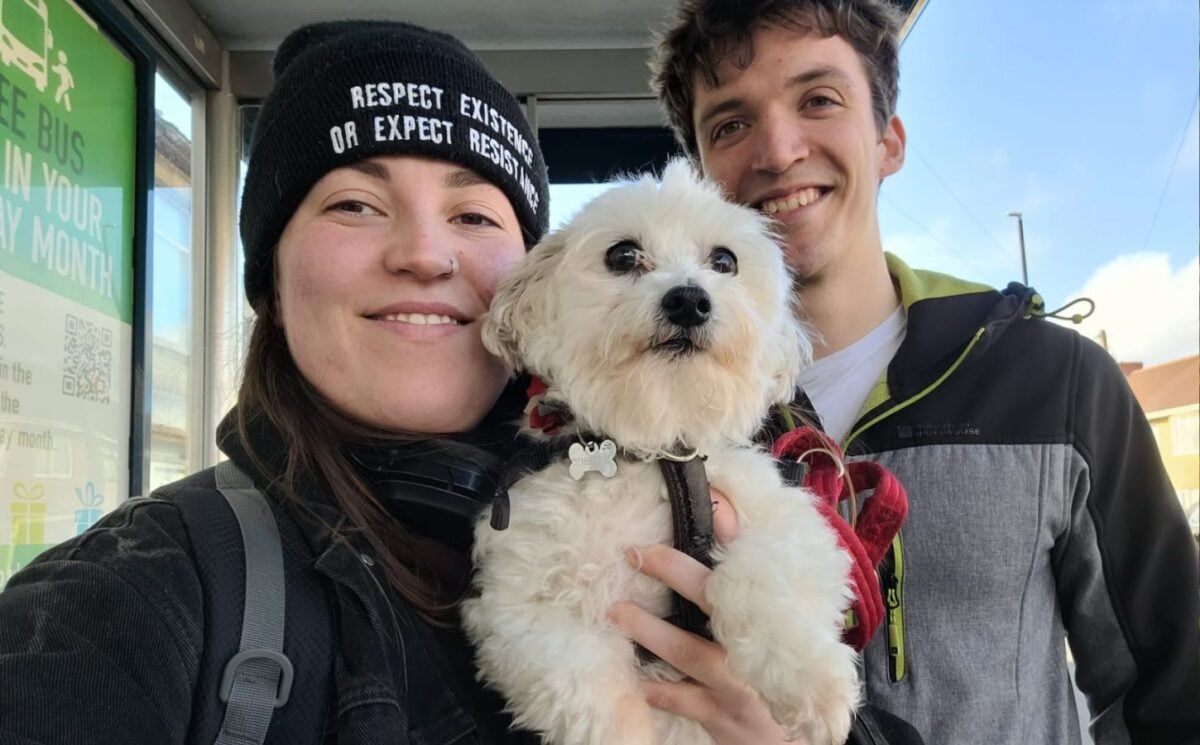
(707, 32)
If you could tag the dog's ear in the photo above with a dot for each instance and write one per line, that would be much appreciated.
(518, 308)
(792, 351)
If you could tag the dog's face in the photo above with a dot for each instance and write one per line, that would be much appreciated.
(661, 314)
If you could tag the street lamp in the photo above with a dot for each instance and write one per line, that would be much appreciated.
(1021, 235)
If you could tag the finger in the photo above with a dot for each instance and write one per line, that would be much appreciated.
(696, 658)
(684, 699)
(725, 522)
(676, 570)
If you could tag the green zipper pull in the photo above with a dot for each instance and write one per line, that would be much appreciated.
(892, 575)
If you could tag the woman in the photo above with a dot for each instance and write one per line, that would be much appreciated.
(392, 184)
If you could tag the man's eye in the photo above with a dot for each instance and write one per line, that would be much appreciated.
(819, 102)
(475, 219)
(726, 129)
(622, 257)
(723, 261)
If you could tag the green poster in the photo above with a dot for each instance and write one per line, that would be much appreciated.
(67, 133)
(67, 122)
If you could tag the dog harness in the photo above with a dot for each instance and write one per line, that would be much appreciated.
(685, 477)
(806, 457)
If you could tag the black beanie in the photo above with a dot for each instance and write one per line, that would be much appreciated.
(348, 90)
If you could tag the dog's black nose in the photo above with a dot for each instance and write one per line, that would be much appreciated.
(687, 306)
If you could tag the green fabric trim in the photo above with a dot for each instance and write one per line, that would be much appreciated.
(916, 285)
(932, 386)
(878, 396)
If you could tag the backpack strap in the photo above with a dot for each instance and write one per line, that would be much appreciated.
(258, 679)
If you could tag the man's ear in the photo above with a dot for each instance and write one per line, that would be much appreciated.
(520, 304)
(893, 143)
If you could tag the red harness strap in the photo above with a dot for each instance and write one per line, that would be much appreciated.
(878, 521)
(545, 418)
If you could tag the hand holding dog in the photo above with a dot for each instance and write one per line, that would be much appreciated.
(729, 710)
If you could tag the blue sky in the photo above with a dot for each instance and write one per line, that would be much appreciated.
(1081, 115)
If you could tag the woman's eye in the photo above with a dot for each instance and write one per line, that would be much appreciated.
(354, 207)
(726, 129)
(723, 261)
(476, 219)
(623, 257)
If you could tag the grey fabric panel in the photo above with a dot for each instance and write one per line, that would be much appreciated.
(984, 636)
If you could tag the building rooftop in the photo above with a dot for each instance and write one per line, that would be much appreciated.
(1167, 386)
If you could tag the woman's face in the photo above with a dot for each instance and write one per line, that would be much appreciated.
(384, 272)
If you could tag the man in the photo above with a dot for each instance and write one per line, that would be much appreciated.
(1039, 507)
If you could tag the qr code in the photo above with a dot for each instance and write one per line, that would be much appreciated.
(87, 361)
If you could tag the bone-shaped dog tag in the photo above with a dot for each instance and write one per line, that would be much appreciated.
(592, 457)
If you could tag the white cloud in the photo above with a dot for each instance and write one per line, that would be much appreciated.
(1149, 312)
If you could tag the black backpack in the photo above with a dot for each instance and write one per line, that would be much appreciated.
(269, 680)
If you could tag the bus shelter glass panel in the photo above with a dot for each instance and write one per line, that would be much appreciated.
(173, 411)
(67, 114)
(567, 199)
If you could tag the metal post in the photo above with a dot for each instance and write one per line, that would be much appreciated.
(1021, 236)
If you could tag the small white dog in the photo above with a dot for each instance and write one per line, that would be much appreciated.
(661, 317)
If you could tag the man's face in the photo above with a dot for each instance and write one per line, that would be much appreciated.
(794, 135)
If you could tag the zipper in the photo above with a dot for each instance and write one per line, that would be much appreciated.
(891, 575)
(928, 389)
(891, 572)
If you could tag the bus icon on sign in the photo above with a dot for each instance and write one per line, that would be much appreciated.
(25, 38)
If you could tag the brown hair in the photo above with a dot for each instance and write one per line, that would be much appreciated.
(314, 434)
(707, 32)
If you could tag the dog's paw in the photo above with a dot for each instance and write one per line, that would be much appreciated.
(811, 690)
(823, 718)
(815, 708)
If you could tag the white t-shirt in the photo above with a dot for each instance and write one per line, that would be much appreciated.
(839, 384)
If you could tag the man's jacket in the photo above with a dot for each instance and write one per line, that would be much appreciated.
(1040, 513)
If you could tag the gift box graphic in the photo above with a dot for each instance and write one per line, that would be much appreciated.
(91, 500)
(28, 514)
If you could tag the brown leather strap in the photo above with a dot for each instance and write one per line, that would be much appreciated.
(692, 520)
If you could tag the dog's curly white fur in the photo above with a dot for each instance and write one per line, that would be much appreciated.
(600, 337)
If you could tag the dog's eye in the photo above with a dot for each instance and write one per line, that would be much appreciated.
(622, 257)
(723, 261)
